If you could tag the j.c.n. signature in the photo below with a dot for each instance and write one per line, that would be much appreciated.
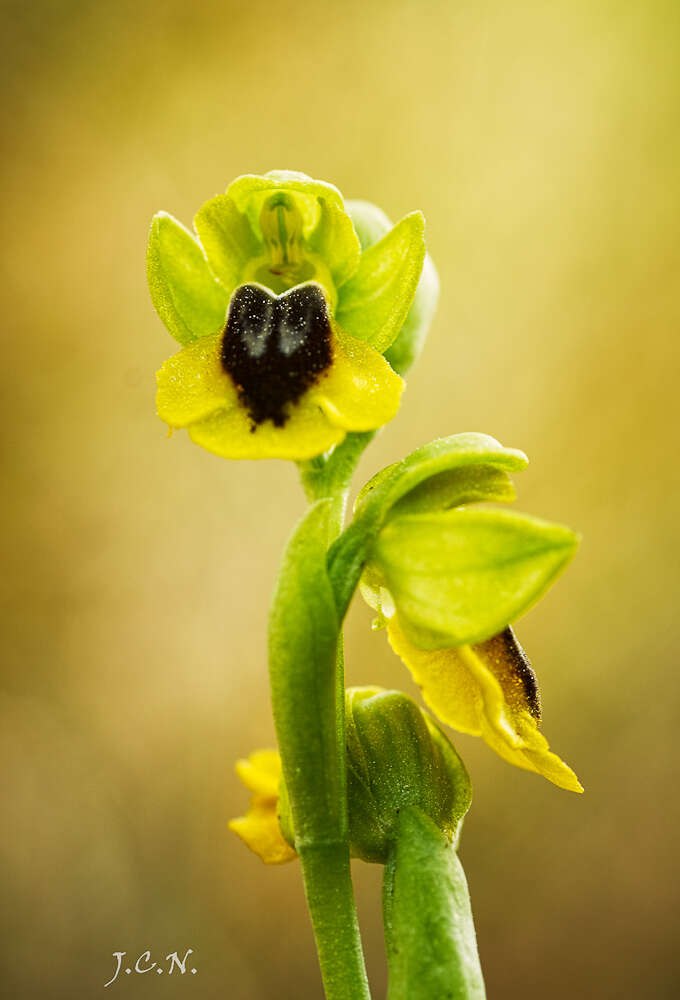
(144, 964)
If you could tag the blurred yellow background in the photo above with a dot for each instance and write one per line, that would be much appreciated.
(541, 140)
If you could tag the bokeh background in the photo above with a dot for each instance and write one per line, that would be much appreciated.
(542, 142)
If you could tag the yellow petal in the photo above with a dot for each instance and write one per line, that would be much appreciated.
(452, 693)
(261, 772)
(482, 690)
(535, 754)
(192, 384)
(360, 392)
(259, 830)
(232, 434)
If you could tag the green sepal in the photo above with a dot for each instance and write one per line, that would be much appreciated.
(371, 224)
(464, 468)
(462, 575)
(374, 303)
(184, 292)
(398, 757)
(429, 930)
(227, 238)
(327, 228)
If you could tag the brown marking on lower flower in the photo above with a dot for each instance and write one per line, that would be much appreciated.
(513, 669)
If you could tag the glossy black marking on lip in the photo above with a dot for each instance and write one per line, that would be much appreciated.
(508, 650)
(275, 347)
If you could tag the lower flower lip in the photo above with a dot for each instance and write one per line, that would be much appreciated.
(357, 392)
(275, 347)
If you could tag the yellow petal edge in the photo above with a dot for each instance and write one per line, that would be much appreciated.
(359, 392)
(259, 828)
(460, 686)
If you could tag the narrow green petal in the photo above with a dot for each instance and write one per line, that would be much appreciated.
(462, 575)
(232, 434)
(371, 224)
(192, 384)
(409, 342)
(360, 392)
(228, 239)
(375, 301)
(184, 291)
(336, 242)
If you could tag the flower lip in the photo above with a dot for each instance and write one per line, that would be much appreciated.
(275, 347)
(513, 666)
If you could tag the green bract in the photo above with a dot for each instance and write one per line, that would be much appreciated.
(455, 575)
(460, 576)
(398, 757)
(448, 472)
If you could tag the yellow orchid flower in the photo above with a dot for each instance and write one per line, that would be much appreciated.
(283, 319)
(487, 689)
(259, 828)
(242, 398)
(447, 578)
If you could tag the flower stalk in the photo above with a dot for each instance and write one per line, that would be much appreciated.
(306, 668)
(298, 315)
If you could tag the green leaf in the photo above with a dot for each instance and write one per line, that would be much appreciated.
(303, 636)
(228, 239)
(429, 931)
(373, 304)
(335, 241)
(184, 292)
(460, 576)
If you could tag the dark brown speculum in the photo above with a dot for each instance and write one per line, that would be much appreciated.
(275, 347)
(506, 650)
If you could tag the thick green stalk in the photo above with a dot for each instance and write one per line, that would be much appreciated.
(429, 932)
(307, 683)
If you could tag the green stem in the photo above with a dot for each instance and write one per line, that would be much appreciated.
(307, 683)
(429, 932)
